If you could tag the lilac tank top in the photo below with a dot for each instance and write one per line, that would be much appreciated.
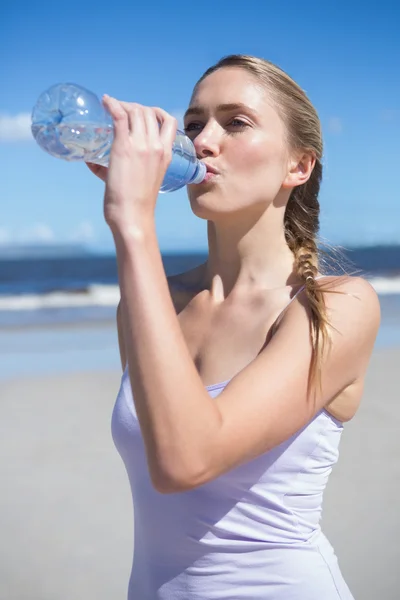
(253, 533)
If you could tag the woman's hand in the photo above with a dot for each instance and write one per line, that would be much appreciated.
(139, 158)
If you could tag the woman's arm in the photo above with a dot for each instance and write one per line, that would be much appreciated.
(178, 305)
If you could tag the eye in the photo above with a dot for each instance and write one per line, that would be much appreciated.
(190, 127)
(235, 123)
(239, 123)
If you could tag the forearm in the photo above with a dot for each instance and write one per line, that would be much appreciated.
(178, 419)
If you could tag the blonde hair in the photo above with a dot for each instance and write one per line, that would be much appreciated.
(301, 220)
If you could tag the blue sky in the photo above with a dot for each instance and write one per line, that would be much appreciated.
(346, 55)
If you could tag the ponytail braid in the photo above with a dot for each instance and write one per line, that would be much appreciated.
(301, 229)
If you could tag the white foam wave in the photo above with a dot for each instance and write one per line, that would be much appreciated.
(95, 295)
(109, 295)
(386, 285)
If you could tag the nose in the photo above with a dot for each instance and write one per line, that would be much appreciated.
(207, 142)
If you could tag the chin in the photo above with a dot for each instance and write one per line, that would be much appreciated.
(201, 210)
(209, 212)
(207, 195)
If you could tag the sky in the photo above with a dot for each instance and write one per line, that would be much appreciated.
(345, 55)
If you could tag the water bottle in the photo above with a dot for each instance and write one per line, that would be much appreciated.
(70, 122)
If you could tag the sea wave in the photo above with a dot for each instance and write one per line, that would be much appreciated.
(109, 296)
(94, 295)
(385, 285)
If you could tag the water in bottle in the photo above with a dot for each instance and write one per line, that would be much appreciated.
(70, 122)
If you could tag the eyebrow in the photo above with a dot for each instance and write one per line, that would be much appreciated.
(198, 110)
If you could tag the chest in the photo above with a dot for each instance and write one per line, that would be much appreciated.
(222, 341)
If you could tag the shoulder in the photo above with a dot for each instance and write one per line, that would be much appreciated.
(352, 306)
(352, 312)
(345, 297)
(345, 283)
(350, 293)
(342, 292)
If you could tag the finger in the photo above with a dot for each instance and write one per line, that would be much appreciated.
(169, 126)
(137, 126)
(120, 117)
(152, 126)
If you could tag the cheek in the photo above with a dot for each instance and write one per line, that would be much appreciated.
(260, 155)
(254, 169)
(261, 170)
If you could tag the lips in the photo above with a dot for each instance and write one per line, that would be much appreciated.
(211, 169)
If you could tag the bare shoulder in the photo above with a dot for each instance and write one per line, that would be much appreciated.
(346, 282)
(352, 312)
(351, 293)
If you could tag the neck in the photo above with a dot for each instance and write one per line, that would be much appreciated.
(248, 255)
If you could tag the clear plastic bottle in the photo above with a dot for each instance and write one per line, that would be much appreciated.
(70, 122)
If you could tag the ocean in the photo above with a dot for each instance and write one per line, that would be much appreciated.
(82, 286)
(57, 306)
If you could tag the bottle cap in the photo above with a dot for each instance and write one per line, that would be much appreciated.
(200, 173)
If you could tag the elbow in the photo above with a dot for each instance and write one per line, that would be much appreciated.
(182, 471)
(169, 486)
(173, 483)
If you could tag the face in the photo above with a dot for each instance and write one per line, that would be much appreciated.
(246, 144)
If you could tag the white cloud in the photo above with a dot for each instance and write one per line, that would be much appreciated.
(15, 128)
(335, 125)
(83, 233)
(41, 233)
(37, 233)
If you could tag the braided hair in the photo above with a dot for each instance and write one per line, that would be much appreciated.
(301, 224)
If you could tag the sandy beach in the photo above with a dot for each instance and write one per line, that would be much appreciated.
(65, 508)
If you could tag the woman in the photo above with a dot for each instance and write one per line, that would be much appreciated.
(238, 375)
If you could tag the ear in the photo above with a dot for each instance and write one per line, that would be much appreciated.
(300, 169)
